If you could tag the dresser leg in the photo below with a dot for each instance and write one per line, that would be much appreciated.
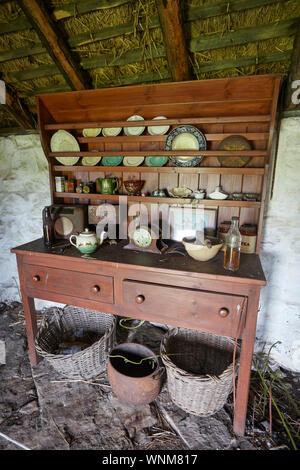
(31, 327)
(246, 357)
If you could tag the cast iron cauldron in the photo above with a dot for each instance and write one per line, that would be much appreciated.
(136, 384)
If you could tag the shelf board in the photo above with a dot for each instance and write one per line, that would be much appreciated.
(169, 122)
(122, 139)
(174, 153)
(162, 169)
(159, 200)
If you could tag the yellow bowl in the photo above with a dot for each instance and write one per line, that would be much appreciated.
(202, 252)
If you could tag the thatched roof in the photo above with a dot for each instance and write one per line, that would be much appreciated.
(120, 42)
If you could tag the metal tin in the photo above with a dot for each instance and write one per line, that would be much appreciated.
(59, 184)
(132, 383)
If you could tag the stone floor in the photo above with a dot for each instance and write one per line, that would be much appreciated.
(42, 410)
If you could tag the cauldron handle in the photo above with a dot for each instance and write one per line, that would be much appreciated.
(158, 374)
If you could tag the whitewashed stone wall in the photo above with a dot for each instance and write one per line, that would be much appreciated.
(24, 191)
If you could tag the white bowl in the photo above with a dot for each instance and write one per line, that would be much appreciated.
(202, 252)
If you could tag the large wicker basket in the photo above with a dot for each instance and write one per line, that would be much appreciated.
(199, 369)
(89, 362)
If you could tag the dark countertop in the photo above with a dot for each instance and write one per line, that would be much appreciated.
(250, 266)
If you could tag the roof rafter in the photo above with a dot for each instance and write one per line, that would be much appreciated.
(54, 43)
(171, 22)
(18, 110)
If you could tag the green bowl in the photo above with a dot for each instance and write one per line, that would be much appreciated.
(156, 161)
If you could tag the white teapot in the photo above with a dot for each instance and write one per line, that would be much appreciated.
(87, 241)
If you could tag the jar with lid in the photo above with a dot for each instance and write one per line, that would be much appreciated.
(233, 244)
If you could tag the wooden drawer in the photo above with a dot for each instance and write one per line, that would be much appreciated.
(71, 283)
(188, 308)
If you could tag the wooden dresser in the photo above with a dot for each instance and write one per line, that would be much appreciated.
(165, 288)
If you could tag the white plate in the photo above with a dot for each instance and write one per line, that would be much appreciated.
(91, 132)
(63, 141)
(158, 130)
(134, 130)
(111, 131)
(90, 161)
(133, 161)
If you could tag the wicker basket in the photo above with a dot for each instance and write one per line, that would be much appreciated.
(200, 374)
(84, 364)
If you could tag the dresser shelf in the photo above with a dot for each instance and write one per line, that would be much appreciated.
(160, 200)
(160, 169)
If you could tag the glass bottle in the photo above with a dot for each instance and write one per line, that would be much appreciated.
(48, 227)
(233, 246)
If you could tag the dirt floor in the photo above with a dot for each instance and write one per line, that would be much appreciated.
(42, 410)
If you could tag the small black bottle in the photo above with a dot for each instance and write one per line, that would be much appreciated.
(48, 227)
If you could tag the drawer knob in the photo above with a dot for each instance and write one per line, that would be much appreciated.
(223, 312)
(139, 299)
(36, 278)
(95, 289)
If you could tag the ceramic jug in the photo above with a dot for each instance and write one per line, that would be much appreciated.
(87, 241)
(107, 185)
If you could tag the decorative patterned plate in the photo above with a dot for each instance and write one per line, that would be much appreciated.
(111, 161)
(134, 130)
(90, 161)
(185, 138)
(133, 161)
(156, 161)
(158, 130)
(234, 142)
(92, 132)
(63, 141)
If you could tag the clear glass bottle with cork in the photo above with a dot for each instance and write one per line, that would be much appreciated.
(233, 244)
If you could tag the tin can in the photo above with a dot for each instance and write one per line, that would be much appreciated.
(59, 184)
(222, 230)
(248, 232)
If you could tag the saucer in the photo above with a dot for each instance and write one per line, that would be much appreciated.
(111, 161)
(131, 131)
(91, 132)
(133, 161)
(111, 131)
(158, 130)
(90, 161)
(156, 161)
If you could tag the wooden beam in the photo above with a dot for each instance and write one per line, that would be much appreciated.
(12, 54)
(294, 76)
(54, 43)
(245, 35)
(219, 65)
(80, 7)
(18, 110)
(171, 22)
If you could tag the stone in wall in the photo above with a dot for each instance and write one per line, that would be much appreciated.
(24, 191)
